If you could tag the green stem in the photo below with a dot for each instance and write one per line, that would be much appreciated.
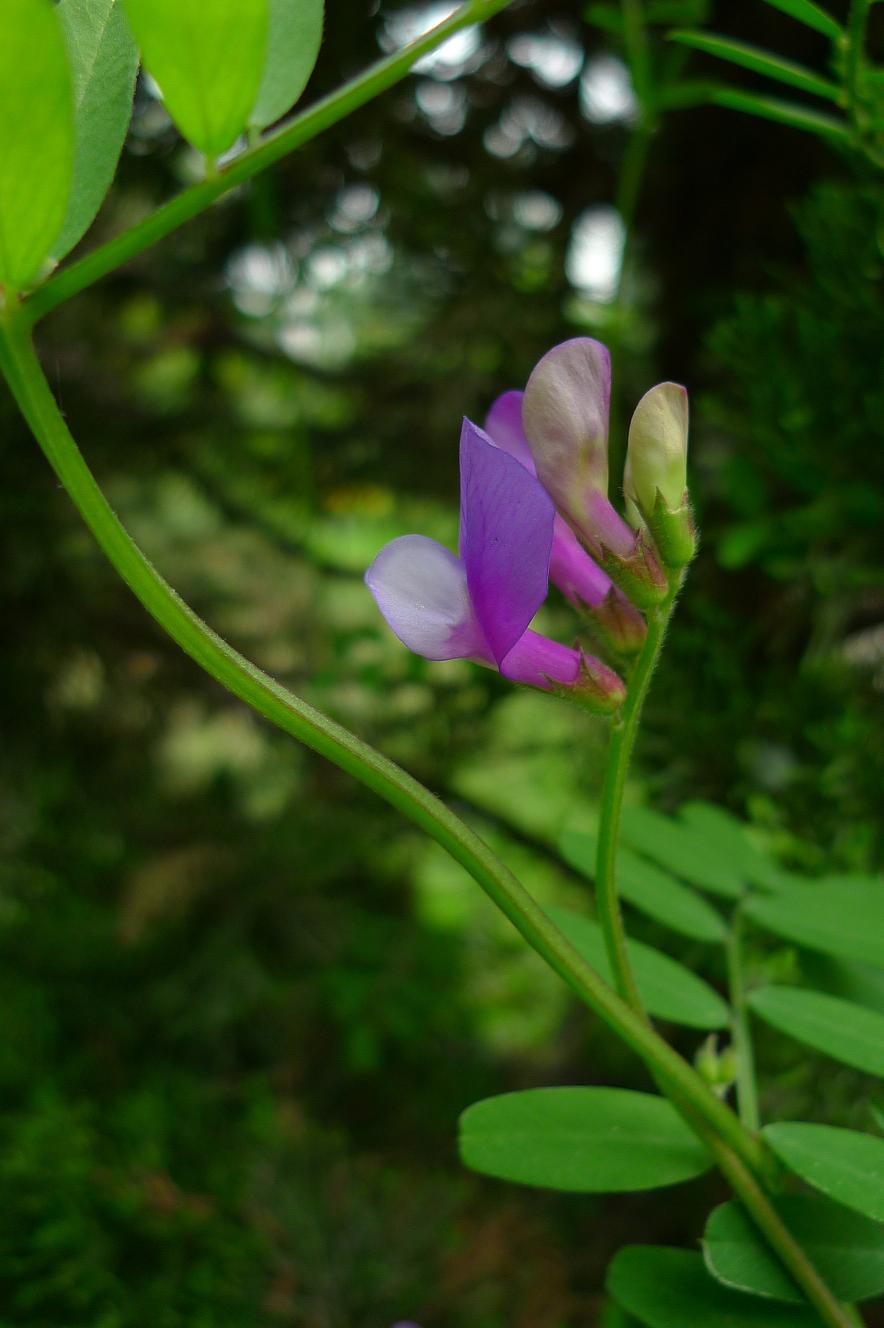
(780, 1239)
(623, 735)
(638, 55)
(302, 721)
(740, 1156)
(747, 1091)
(303, 127)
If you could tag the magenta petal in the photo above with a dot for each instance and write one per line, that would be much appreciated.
(504, 427)
(421, 590)
(506, 533)
(573, 571)
(540, 662)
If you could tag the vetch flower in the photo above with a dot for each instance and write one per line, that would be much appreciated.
(618, 624)
(479, 606)
(565, 418)
(655, 478)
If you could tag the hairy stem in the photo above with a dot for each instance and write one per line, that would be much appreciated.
(266, 152)
(623, 736)
(747, 1090)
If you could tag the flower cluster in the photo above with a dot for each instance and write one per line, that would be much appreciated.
(534, 509)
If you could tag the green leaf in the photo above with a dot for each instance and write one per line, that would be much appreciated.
(104, 62)
(295, 35)
(583, 1140)
(844, 918)
(37, 137)
(671, 1289)
(726, 837)
(783, 112)
(208, 60)
(848, 1250)
(840, 1029)
(846, 1165)
(759, 61)
(668, 989)
(649, 889)
(681, 849)
(810, 15)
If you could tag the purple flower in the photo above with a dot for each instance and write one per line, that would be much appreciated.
(570, 567)
(565, 418)
(479, 606)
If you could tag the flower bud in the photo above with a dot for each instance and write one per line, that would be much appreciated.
(655, 479)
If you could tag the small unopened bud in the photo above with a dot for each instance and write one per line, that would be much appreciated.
(655, 479)
(718, 1068)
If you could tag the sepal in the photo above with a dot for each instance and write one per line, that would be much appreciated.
(638, 574)
(616, 624)
(674, 532)
(596, 688)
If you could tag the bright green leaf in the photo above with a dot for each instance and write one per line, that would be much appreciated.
(583, 1140)
(848, 1250)
(681, 849)
(810, 15)
(671, 1289)
(37, 137)
(668, 989)
(846, 1165)
(295, 35)
(649, 889)
(844, 918)
(104, 62)
(208, 60)
(783, 112)
(726, 836)
(760, 62)
(840, 1029)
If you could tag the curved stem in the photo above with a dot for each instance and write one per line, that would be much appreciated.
(740, 1156)
(270, 149)
(623, 736)
(295, 716)
(747, 1090)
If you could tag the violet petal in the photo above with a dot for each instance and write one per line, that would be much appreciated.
(503, 426)
(421, 590)
(506, 532)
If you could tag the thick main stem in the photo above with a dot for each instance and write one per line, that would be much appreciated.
(623, 735)
(270, 149)
(739, 1155)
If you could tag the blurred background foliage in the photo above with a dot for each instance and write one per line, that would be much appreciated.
(244, 1003)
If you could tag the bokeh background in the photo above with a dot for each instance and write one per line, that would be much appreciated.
(243, 1003)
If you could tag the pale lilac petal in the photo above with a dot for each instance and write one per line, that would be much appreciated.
(504, 427)
(540, 662)
(421, 590)
(565, 418)
(506, 532)
(573, 571)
